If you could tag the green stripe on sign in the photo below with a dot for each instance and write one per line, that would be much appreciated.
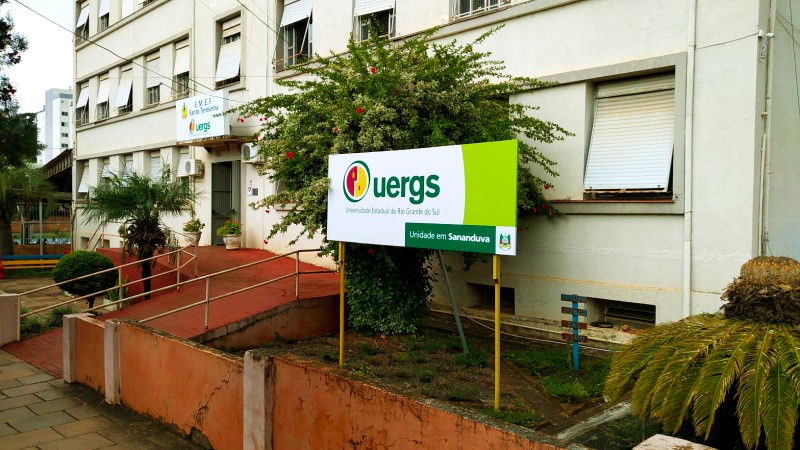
(461, 238)
(490, 178)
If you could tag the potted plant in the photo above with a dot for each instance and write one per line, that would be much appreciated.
(231, 232)
(193, 228)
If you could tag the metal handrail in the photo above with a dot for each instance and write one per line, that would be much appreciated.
(120, 285)
(207, 278)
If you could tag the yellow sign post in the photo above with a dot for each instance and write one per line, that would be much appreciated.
(341, 304)
(496, 276)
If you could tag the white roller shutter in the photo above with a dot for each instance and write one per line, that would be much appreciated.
(128, 171)
(153, 73)
(235, 22)
(182, 164)
(83, 186)
(295, 12)
(105, 171)
(127, 8)
(181, 58)
(83, 17)
(633, 136)
(363, 7)
(103, 9)
(155, 166)
(124, 91)
(230, 58)
(102, 91)
(83, 98)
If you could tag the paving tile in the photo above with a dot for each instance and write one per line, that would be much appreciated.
(43, 421)
(15, 374)
(9, 384)
(84, 426)
(15, 413)
(28, 439)
(27, 389)
(59, 383)
(15, 402)
(8, 358)
(6, 429)
(56, 405)
(53, 394)
(17, 366)
(38, 378)
(169, 440)
(85, 441)
(83, 412)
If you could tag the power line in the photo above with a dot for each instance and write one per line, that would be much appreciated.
(126, 60)
(794, 55)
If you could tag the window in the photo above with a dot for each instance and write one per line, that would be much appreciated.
(633, 135)
(128, 169)
(105, 168)
(465, 8)
(102, 13)
(153, 86)
(180, 82)
(102, 100)
(230, 53)
(83, 183)
(124, 100)
(65, 135)
(127, 8)
(64, 145)
(155, 165)
(82, 25)
(378, 14)
(63, 124)
(296, 35)
(143, 3)
(81, 106)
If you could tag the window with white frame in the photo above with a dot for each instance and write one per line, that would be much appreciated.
(375, 15)
(466, 8)
(127, 170)
(633, 136)
(153, 85)
(230, 53)
(82, 25)
(124, 100)
(295, 46)
(105, 169)
(180, 81)
(143, 3)
(82, 106)
(101, 110)
(155, 165)
(83, 183)
(102, 15)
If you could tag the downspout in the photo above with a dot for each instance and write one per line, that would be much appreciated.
(766, 115)
(689, 159)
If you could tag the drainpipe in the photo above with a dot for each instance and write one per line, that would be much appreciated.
(688, 165)
(763, 217)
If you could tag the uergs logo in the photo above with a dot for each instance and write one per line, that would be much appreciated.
(356, 181)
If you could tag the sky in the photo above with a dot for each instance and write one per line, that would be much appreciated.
(48, 61)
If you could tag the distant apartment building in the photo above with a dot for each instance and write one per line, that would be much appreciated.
(55, 124)
(683, 162)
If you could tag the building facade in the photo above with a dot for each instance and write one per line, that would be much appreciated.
(55, 124)
(682, 166)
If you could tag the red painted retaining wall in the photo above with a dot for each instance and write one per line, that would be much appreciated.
(315, 408)
(182, 383)
(89, 363)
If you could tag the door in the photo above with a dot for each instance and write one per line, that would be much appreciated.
(221, 197)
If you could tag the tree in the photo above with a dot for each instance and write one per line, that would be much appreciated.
(19, 185)
(714, 370)
(139, 202)
(381, 96)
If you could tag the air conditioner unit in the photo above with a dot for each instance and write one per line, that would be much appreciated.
(250, 154)
(193, 168)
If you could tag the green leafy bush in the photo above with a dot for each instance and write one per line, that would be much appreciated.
(80, 263)
(55, 316)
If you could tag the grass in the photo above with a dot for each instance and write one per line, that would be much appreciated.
(524, 418)
(32, 325)
(552, 366)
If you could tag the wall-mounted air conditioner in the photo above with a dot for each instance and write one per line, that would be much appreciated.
(250, 154)
(193, 168)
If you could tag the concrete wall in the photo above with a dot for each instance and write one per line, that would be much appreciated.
(89, 365)
(783, 147)
(295, 320)
(181, 383)
(331, 411)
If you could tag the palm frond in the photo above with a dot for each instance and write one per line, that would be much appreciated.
(721, 369)
(759, 361)
(780, 408)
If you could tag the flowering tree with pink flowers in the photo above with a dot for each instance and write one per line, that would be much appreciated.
(383, 96)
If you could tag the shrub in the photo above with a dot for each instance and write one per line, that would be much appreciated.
(80, 263)
(31, 325)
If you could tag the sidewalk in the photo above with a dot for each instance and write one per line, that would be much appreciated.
(38, 411)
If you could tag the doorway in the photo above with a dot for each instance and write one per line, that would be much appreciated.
(225, 187)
